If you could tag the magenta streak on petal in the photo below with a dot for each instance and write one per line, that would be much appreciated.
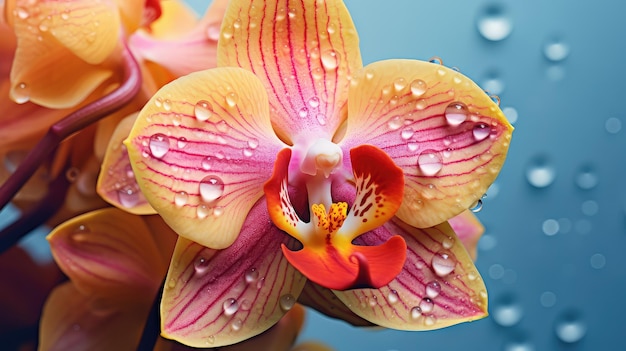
(292, 58)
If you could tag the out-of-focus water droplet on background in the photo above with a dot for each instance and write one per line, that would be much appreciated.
(494, 22)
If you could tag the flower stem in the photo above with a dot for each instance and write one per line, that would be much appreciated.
(71, 124)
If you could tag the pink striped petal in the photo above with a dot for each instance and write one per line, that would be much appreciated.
(447, 135)
(438, 287)
(325, 301)
(109, 253)
(303, 51)
(72, 321)
(116, 182)
(468, 229)
(201, 150)
(220, 297)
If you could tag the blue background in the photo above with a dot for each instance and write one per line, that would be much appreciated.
(555, 219)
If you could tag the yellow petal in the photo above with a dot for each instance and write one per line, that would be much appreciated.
(304, 53)
(116, 183)
(201, 150)
(443, 130)
(109, 253)
(72, 321)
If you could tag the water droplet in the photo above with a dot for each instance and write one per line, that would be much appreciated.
(21, 13)
(260, 283)
(456, 113)
(218, 211)
(330, 59)
(314, 102)
(556, 50)
(251, 275)
(303, 112)
(321, 119)
(43, 27)
(159, 145)
(519, 345)
(493, 23)
(416, 312)
(481, 131)
(418, 87)
(540, 173)
(613, 125)
(65, 15)
(211, 188)
(21, 93)
(493, 84)
(128, 196)
(253, 143)
(247, 152)
(181, 198)
(433, 289)
(230, 306)
(589, 208)
(393, 297)
(399, 84)
(597, 261)
(550, 227)
(210, 340)
(443, 263)
(407, 133)
(236, 324)
(231, 99)
(182, 142)
(206, 163)
(287, 302)
(547, 299)
(586, 179)
(395, 123)
(430, 162)
(447, 243)
(436, 60)
(201, 264)
(167, 104)
(421, 104)
(213, 31)
(203, 110)
(427, 305)
(570, 327)
(507, 313)
(202, 211)
(496, 271)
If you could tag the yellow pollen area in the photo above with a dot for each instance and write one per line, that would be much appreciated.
(332, 220)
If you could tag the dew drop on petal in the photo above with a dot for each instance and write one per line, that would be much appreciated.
(395, 123)
(493, 23)
(287, 302)
(213, 31)
(181, 143)
(253, 143)
(456, 113)
(570, 327)
(128, 196)
(399, 84)
(218, 211)
(314, 102)
(393, 297)
(303, 112)
(159, 145)
(477, 206)
(426, 305)
(21, 93)
(201, 264)
(251, 276)
(232, 99)
(230, 306)
(167, 105)
(407, 133)
(540, 173)
(206, 163)
(481, 131)
(433, 289)
(443, 263)
(203, 110)
(211, 188)
(416, 312)
(330, 59)
(430, 162)
(202, 211)
(236, 324)
(418, 87)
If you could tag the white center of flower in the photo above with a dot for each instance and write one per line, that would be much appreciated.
(323, 156)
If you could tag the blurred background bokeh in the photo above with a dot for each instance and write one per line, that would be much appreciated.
(552, 255)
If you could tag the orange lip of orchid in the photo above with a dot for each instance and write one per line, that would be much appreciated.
(291, 128)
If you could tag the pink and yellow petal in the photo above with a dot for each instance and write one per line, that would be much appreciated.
(201, 149)
(325, 301)
(447, 135)
(73, 321)
(220, 297)
(438, 287)
(468, 229)
(303, 51)
(116, 183)
(109, 253)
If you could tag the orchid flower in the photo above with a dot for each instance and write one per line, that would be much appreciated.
(115, 262)
(292, 162)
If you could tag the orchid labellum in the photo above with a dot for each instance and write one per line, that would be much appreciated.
(291, 162)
